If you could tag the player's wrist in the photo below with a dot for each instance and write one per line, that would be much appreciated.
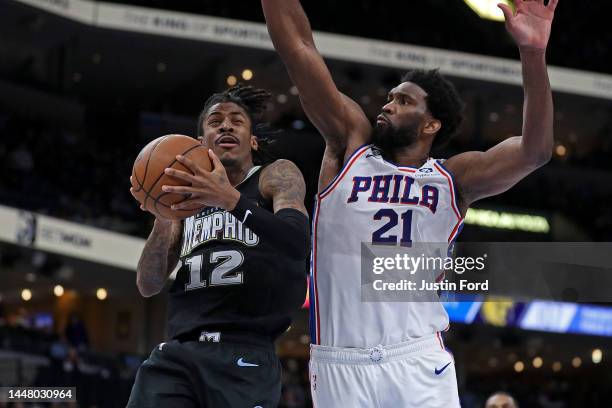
(531, 50)
(162, 223)
(240, 209)
(232, 201)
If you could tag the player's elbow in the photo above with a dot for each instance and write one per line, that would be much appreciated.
(294, 51)
(148, 288)
(296, 245)
(546, 157)
(542, 157)
(147, 291)
(299, 250)
(536, 157)
(295, 241)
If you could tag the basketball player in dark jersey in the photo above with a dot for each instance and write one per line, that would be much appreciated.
(242, 270)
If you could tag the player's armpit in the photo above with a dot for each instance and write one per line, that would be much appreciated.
(484, 174)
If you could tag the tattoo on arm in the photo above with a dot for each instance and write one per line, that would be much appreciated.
(159, 257)
(283, 182)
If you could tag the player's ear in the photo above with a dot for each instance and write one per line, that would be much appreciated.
(254, 143)
(432, 126)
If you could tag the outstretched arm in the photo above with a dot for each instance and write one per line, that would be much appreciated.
(483, 174)
(340, 120)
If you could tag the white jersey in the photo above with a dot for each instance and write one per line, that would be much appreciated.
(356, 208)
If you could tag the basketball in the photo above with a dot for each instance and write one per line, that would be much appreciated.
(148, 175)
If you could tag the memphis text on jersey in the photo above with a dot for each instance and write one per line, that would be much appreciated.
(215, 224)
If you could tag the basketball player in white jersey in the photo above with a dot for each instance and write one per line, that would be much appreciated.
(379, 185)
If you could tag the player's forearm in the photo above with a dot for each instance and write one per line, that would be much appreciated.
(287, 229)
(158, 258)
(538, 108)
(288, 25)
(323, 103)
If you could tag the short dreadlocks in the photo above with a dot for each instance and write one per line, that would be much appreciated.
(254, 102)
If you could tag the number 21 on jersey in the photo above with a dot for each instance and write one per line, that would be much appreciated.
(379, 237)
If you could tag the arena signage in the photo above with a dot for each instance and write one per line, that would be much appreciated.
(67, 238)
(334, 46)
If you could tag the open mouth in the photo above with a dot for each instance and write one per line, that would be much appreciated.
(381, 119)
(227, 141)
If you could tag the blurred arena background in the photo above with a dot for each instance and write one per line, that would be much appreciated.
(84, 85)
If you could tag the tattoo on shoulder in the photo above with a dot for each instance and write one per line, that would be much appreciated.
(283, 175)
(283, 181)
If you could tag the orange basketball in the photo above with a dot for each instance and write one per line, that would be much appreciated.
(148, 175)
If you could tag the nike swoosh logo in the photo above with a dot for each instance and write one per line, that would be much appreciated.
(438, 372)
(246, 215)
(242, 363)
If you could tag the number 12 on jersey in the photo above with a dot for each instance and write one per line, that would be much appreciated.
(393, 220)
(223, 274)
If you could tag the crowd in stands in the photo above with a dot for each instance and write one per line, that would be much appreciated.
(34, 357)
(67, 175)
(85, 178)
(59, 357)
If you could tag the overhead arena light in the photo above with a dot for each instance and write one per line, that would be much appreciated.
(488, 9)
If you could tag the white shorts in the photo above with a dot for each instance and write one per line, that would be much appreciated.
(415, 374)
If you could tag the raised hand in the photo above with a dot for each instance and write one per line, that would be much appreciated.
(207, 189)
(530, 25)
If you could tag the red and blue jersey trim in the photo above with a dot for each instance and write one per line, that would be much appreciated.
(315, 326)
(345, 168)
(454, 196)
(315, 323)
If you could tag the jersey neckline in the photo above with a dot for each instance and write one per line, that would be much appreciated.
(389, 162)
(252, 171)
